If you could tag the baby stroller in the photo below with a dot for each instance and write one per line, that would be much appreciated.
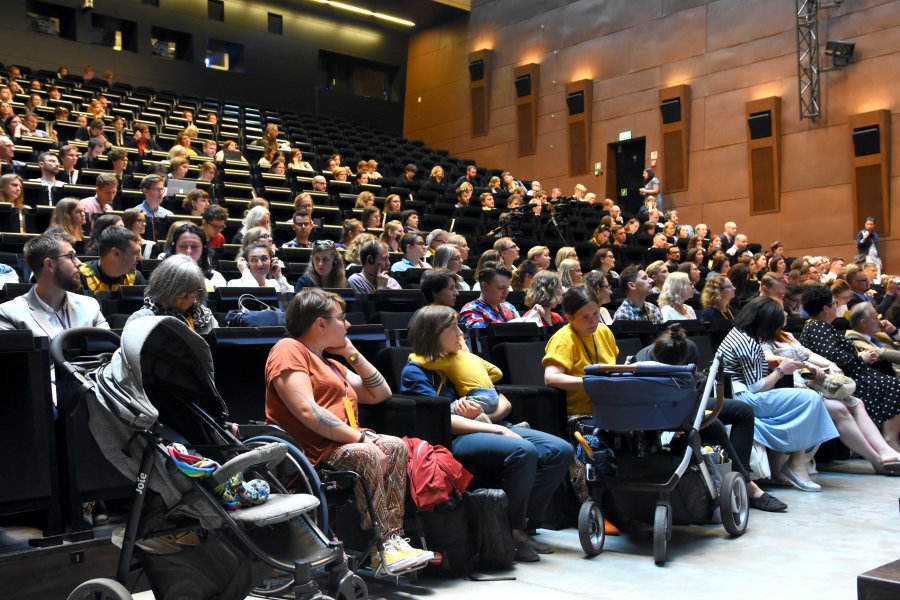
(156, 390)
(646, 463)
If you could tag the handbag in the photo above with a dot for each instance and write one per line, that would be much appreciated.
(253, 312)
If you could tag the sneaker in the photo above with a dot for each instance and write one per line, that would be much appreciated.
(398, 556)
(423, 557)
(483, 418)
(523, 425)
(100, 515)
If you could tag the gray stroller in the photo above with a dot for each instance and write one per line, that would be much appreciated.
(158, 389)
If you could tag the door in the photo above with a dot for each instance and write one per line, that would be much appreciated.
(626, 173)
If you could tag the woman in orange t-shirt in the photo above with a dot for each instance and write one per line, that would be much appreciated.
(315, 400)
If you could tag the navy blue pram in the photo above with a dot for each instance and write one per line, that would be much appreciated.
(659, 479)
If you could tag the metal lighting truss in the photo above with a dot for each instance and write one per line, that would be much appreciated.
(808, 56)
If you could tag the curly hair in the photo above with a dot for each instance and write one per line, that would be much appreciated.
(712, 291)
(543, 290)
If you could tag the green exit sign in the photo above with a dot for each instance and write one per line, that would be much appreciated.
(624, 136)
(623, 192)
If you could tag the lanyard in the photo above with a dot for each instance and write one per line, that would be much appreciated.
(596, 357)
(348, 406)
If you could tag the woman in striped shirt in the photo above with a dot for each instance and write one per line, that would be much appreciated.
(788, 420)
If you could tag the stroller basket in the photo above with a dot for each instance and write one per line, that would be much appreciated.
(650, 396)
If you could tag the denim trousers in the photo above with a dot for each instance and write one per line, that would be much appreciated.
(530, 468)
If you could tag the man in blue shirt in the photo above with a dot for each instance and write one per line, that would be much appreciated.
(154, 189)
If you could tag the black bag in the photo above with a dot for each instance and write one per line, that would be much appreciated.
(488, 512)
(253, 312)
(446, 530)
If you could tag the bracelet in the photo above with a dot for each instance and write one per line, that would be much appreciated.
(780, 371)
(362, 437)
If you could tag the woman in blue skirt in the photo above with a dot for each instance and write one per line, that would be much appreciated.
(788, 420)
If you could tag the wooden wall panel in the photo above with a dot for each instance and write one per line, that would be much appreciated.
(729, 54)
(580, 128)
(526, 109)
(479, 93)
(675, 136)
(871, 173)
(764, 156)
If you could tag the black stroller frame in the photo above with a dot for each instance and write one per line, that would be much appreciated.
(303, 578)
(620, 415)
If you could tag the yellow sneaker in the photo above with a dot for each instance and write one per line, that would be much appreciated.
(399, 556)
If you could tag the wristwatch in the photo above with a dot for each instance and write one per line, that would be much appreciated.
(353, 358)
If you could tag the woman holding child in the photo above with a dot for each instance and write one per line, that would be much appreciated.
(532, 463)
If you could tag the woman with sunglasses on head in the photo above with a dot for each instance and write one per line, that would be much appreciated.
(178, 289)
(261, 263)
(187, 239)
(325, 269)
(597, 284)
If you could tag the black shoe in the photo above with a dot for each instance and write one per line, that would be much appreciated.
(525, 553)
(539, 547)
(768, 503)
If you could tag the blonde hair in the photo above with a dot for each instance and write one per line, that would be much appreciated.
(674, 289)
(565, 271)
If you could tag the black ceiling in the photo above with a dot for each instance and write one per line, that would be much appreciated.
(424, 13)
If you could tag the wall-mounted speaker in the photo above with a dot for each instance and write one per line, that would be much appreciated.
(671, 111)
(575, 102)
(760, 125)
(476, 70)
(523, 86)
(866, 141)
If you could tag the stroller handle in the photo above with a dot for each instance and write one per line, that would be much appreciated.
(720, 396)
(71, 337)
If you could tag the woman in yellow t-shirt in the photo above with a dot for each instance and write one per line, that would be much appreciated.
(584, 341)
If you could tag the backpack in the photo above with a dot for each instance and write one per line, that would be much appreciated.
(488, 514)
(446, 532)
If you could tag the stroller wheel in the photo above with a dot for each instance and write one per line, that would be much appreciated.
(352, 587)
(591, 533)
(662, 528)
(100, 589)
(733, 504)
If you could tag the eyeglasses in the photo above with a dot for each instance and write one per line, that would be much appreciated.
(340, 317)
(264, 236)
(455, 258)
(217, 227)
(727, 287)
(194, 293)
(324, 244)
(70, 255)
(304, 224)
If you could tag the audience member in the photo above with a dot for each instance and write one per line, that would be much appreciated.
(119, 252)
(637, 286)
(376, 264)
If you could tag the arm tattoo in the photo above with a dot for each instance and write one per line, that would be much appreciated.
(324, 417)
(373, 381)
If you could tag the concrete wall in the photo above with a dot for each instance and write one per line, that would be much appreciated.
(279, 70)
(727, 51)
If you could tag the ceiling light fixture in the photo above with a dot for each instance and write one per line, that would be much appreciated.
(367, 12)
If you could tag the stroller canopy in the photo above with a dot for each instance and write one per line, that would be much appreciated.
(156, 350)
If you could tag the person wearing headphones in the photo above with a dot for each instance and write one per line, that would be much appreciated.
(376, 263)
(325, 270)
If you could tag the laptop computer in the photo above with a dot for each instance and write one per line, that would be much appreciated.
(180, 186)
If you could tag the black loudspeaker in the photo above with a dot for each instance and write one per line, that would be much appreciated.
(523, 86)
(671, 111)
(575, 102)
(866, 141)
(760, 125)
(476, 70)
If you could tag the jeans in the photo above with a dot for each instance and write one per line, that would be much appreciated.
(530, 468)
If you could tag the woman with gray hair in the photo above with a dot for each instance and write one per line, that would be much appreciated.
(542, 297)
(258, 216)
(448, 256)
(178, 289)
